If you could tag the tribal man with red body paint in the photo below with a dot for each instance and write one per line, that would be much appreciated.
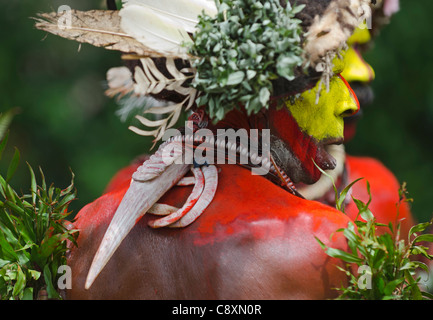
(221, 232)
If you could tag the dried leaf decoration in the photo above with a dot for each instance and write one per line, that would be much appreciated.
(149, 80)
(100, 28)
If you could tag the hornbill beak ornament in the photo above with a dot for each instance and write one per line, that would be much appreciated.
(149, 183)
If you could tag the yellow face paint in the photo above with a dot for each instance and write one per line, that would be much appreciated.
(324, 120)
(360, 36)
(356, 68)
(339, 64)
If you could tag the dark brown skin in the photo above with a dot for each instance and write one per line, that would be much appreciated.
(255, 241)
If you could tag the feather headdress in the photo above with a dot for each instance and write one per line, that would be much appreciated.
(156, 36)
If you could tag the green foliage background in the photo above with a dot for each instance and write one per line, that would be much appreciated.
(65, 121)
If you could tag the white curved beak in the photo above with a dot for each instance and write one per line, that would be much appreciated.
(139, 198)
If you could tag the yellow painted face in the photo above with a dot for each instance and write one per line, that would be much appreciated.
(324, 120)
(356, 68)
(360, 35)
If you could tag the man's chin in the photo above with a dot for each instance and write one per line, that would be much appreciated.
(323, 160)
(304, 168)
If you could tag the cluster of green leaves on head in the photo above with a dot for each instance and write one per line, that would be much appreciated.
(387, 265)
(33, 235)
(246, 46)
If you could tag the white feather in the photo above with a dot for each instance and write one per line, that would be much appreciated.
(154, 31)
(183, 13)
(119, 82)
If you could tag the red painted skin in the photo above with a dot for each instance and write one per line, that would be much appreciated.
(254, 241)
(302, 145)
(238, 249)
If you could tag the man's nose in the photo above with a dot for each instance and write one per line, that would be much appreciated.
(349, 104)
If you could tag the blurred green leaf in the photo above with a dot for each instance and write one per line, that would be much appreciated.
(28, 294)
(5, 121)
(20, 282)
(424, 237)
(33, 184)
(52, 293)
(13, 165)
(7, 250)
(345, 256)
(390, 287)
(419, 228)
(342, 196)
(3, 143)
